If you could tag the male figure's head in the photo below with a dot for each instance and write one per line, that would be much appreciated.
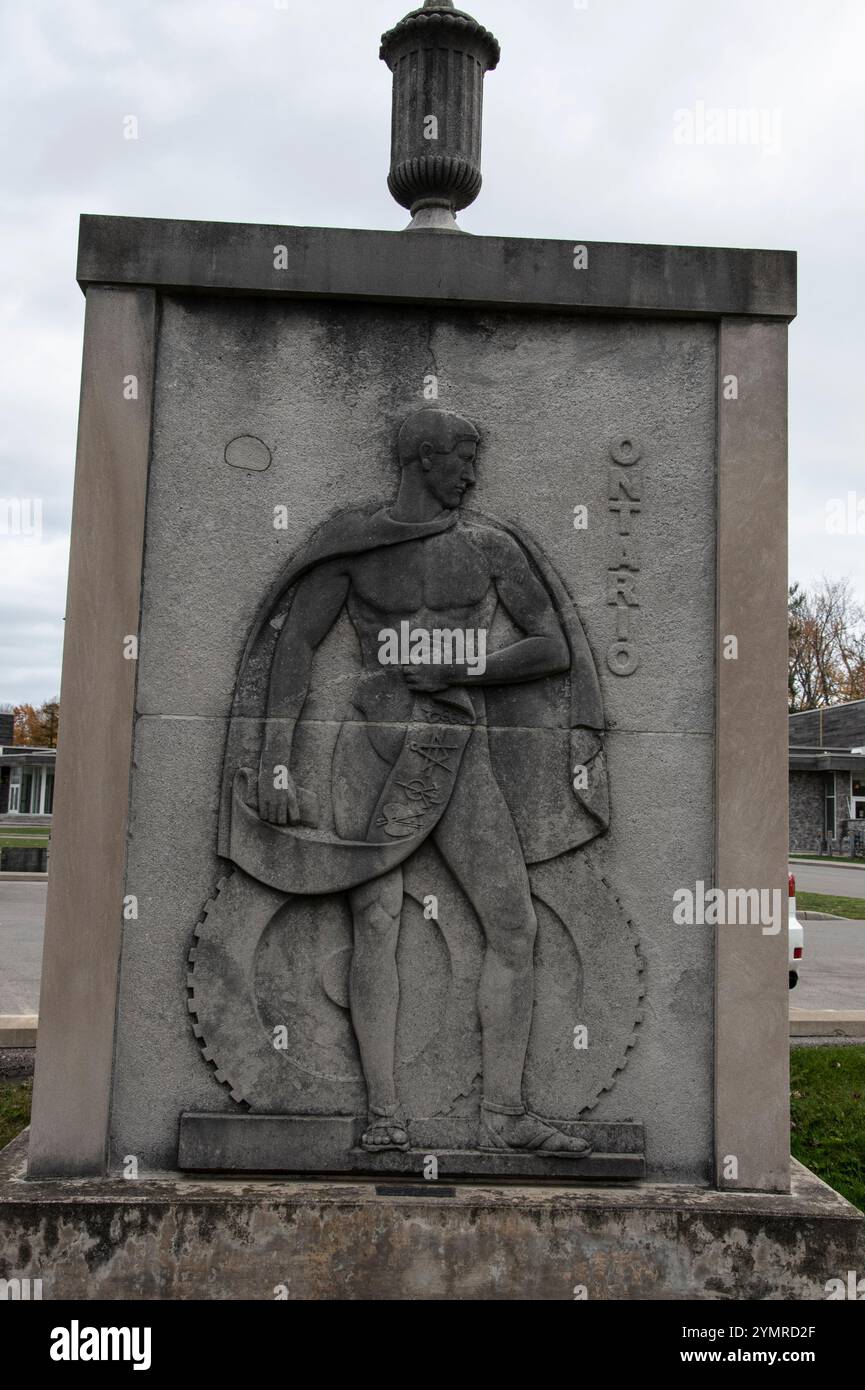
(439, 449)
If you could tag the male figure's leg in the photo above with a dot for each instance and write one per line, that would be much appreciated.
(359, 773)
(478, 840)
(374, 991)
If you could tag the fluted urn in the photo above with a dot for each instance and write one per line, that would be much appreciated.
(439, 57)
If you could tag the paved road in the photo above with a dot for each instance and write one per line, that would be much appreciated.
(22, 913)
(833, 973)
(835, 879)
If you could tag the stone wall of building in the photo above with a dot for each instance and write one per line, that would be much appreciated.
(806, 811)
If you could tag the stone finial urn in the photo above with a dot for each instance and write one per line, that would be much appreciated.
(439, 57)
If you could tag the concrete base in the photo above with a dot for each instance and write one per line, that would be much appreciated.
(18, 1030)
(170, 1238)
(826, 1023)
(331, 1144)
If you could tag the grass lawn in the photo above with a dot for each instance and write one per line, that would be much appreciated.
(28, 836)
(837, 907)
(15, 1099)
(830, 858)
(827, 1102)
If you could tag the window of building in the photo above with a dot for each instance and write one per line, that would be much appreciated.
(830, 806)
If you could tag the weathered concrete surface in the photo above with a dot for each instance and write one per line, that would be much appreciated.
(178, 1239)
(826, 1023)
(496, 272)
(18, 1030)
(321, 385)
(287, 1144)
(752, 1051)
(159, 1072)
(324, 387)
(88, 852)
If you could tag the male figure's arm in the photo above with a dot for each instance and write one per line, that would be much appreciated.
(317, 604)
(542, 651)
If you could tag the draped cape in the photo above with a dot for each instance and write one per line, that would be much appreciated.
(545, 736)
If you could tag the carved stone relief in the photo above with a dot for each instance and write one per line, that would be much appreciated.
(413, 949)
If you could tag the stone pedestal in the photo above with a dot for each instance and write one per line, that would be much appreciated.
(250, 404)
(178, 1238)
(427, 645)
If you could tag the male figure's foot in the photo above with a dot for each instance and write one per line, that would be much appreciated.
(509, 1127)
(386, 1130)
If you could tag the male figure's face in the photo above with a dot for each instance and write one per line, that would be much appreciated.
(448, 476)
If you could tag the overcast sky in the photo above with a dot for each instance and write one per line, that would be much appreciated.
(256, 111)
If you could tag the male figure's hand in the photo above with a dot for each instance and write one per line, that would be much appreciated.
(277, 794)
(429, 680)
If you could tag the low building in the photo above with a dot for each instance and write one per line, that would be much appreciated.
(827, 779)
(26, 775)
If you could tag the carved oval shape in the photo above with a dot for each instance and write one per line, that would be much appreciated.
(246, 451)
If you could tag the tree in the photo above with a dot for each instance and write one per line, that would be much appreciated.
(826, 629)
(37, 728)
(50, 717)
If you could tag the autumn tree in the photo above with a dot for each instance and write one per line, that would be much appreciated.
(826, 628)
(37, 728)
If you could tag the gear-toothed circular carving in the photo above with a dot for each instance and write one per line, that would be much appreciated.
(269, 968)
(220, 995)
(253, 969)
(602, 995)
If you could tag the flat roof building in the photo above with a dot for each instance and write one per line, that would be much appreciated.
(827, 777)
(26, 775)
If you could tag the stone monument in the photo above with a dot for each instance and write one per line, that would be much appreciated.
(439, 802)
(426, 656)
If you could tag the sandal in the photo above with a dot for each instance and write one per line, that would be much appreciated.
(528, 1134)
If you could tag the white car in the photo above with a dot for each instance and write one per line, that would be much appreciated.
(795, 935)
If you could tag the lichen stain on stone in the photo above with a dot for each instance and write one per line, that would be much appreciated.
(114, 1227)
